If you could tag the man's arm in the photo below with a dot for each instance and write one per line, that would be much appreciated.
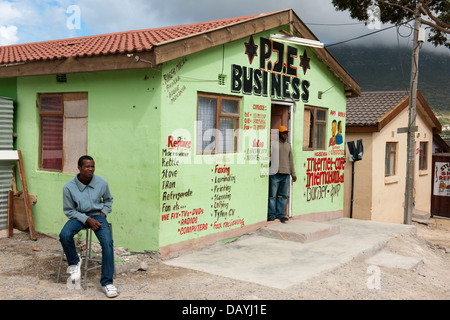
(291, 164)
(107, 201)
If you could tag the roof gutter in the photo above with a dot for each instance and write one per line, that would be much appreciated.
(11, 64)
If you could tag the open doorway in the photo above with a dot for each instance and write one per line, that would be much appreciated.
(281, 116)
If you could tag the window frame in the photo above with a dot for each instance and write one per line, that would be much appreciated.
(423, 155)
(219, 116)
(73, 113)
(55, 114)
(312, 131)
(387, 157)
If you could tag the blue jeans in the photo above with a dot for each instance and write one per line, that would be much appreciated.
(278, 189)
(72, 227)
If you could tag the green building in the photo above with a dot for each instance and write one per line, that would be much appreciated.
(179, 120)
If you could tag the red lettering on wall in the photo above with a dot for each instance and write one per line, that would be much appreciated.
(323, 171)
(178, 143)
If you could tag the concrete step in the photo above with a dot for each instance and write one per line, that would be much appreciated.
(421, 215)
(299, 230)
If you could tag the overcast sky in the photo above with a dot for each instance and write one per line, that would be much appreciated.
(23, 21)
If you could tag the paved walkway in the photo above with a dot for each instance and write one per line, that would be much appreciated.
(283, 255)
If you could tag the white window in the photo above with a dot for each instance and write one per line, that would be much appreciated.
(217, 123)
(390, 161)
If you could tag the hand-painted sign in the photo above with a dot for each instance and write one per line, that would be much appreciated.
(441, 181)
(277, 72)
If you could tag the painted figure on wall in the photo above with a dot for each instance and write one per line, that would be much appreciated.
(339, 138)
(333, 134)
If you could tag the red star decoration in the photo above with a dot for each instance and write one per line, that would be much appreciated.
(304, 62)
(251, 49)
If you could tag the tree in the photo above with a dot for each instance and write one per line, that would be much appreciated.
(434, 13)
(437, 13)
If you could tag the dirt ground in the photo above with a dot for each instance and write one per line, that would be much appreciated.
(28, 271)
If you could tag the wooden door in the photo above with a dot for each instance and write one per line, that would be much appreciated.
(440, 186)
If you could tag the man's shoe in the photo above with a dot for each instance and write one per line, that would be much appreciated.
(284, 219)
(75, 271)
(110, 290)
(271, 219)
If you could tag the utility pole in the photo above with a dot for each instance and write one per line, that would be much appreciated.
(409, 189)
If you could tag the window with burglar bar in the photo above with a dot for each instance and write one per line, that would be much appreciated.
(62, 130)
(217, 124)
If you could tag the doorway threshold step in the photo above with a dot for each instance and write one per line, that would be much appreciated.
(299, 230)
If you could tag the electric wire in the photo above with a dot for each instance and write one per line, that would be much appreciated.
(334, 24)
(366, 35)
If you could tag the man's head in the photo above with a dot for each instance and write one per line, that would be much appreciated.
(82, 158)
(333, 127)
(283, 132)
(86, 165)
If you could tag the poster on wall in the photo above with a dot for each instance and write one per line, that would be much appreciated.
(441, 181)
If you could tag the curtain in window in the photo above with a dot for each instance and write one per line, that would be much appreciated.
(207, 118)
(227, 129)
(319, 139)
(230, 106)
(389, 165)
(52, 141)
(63, 130)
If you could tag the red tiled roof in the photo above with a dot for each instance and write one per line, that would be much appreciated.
(121, 42)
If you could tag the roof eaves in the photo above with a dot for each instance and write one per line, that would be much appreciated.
(429, 114)
(352, 88)
(250, 18)
(392, 113)
(361, 128)
(182, 46)
(162, 51)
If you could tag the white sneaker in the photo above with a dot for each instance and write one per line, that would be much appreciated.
(75, 271)
(110, 291)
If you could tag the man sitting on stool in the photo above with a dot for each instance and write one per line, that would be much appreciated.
(86, 202)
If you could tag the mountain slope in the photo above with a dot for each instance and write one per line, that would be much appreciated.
(382, 69)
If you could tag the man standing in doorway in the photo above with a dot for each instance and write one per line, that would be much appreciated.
(281, 169)
(86, 202)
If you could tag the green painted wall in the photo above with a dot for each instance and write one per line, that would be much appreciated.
(320, 197)
(211, 206)
(8, 88)
(219, 201)
(123, 138)
(133, 115)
